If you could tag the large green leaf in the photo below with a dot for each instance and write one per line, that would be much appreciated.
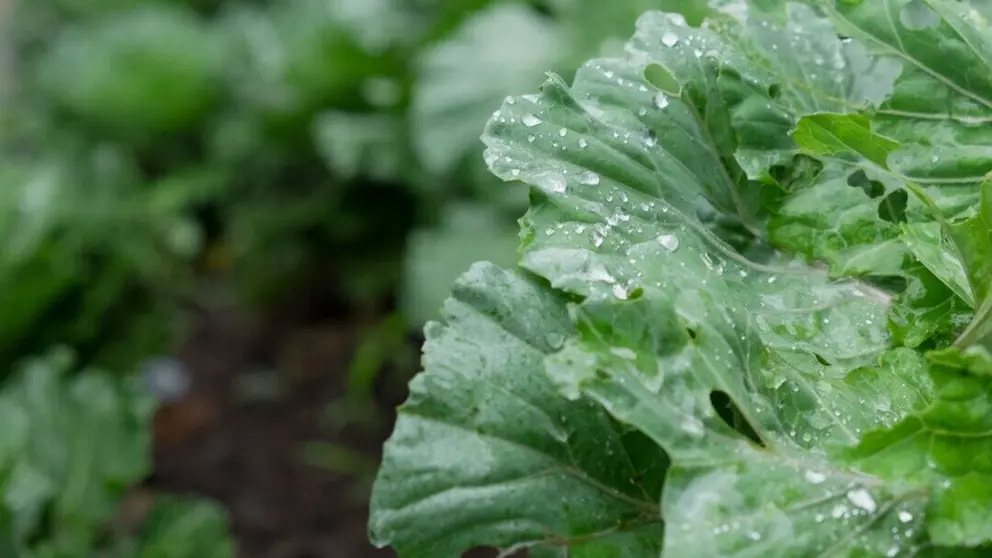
(672, 191)
(671, 315)
(484, 452)
(930, 133)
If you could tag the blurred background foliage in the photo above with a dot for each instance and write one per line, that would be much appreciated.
(151, 147)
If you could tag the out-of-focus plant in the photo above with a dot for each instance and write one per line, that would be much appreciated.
(71, 447)
(146, 145)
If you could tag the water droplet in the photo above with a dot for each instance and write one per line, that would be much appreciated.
(551, 181)
(669, 242)
(905, 516)
(562, 132)
(862, 499)
(815, 477)
(661, 100)
(624, 353)
(619, 291)
(583, 143)
(555, 340)
(670, 39)
(589, 177)
(530, 120)
(713, 264)
(693, 427)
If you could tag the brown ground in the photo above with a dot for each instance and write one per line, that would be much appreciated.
(247, 453)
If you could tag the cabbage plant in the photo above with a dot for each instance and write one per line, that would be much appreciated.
(751, 310)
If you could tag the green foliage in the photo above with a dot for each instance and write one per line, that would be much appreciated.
(751, 311)
(71, 446)
(158, 136)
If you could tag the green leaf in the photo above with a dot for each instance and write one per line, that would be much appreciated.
(945, 448)
(840, 134)
(71, 446)
(973, 240)
(671, 315)
(928, 133)
(362, 145)
(672, 191)
(501, 49)
(926, 243)
(436, 257)
(183, 527)
(107, 69)
(484, 452)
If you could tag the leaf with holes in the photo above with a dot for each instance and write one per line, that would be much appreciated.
(668, 324)
(931, 132)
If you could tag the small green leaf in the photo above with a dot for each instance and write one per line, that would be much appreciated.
(926, 242)
(841, 134)
(182, 527)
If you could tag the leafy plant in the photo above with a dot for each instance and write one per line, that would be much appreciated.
(750, 314)
(71, 447)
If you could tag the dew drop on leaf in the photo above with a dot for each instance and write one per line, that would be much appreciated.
(530, 120)
(905, 516)
(693, 427)
(661, 100)
(589, 177)
(862, 499)
(555, 340)
(669, 242)
(670, 39)
(619, 291)
(815, 477)
(583, 143)
(624, 353)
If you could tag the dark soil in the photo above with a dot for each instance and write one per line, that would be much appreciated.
(247, 452)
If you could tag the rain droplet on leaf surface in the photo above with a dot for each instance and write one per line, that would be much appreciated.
(669, 242)
(862, 499)
(670, 39)
(624, 353)
(661, 100)
(555, 340)
(589, 177)
(815, 477)
(530, 120)
(693, 427)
